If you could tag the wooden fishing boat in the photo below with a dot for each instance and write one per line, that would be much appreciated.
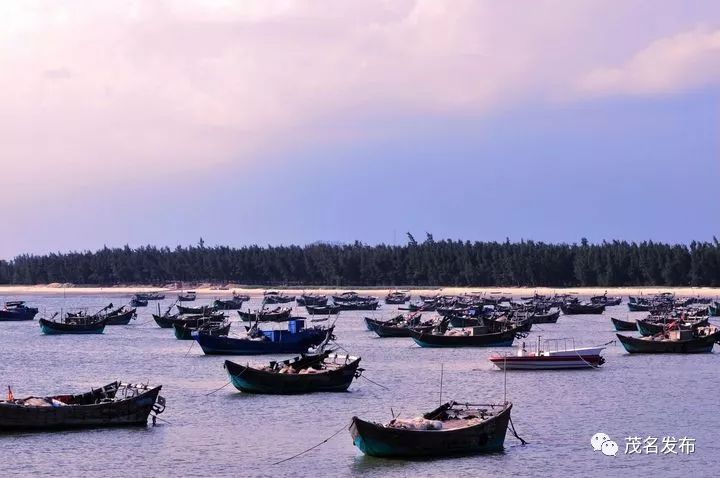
(451, 429)
(135, 302)
(121, 316)
(279, 314)
(195, 321)
(353, 297)
(323, 309)
(149, 296)
(115, 404)
(296, 339)
(624, 325)
(101, 313)
(312, 299)
(682, 341)
(168, 320)
(648, 327)
(325, 372)
(474, 337)
(582, 308)
(370, 322)
(607, 301)
(401, 328)
(184, 330)
(17, 311)
(397, 298)
(188, 296)
(228, 304)
(420, 306)
(79, 325)
(202, 309)
(273, 297)
(359, 305)
(164, 321)
(549, 317)
(555, 355)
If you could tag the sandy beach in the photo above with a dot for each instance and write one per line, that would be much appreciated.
(210, 290)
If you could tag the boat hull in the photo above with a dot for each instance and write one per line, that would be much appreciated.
(635, 345)
(15, 316)
(375, 440)
(130, 412)
(122, 319)
(184, 332)
(283, 316)
(624, 325)
(163, 322)
(547, 363)
(550, 318)
(224, 345)
(582, 309)
(55, 328)
(499, 339)
(251, 380)
(230, 304)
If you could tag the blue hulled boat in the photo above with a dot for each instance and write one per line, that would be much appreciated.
(296, 339)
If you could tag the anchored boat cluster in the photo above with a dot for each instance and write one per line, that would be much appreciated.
(471, 320)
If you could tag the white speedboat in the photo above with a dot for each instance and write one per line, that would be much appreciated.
(556, 354)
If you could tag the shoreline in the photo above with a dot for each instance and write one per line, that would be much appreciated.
(210, 290)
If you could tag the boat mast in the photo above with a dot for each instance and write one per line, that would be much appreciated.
(441, 381)
(505, 379)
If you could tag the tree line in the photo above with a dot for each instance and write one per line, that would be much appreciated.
(426, 263)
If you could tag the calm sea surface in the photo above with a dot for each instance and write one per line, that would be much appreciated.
(231, 434)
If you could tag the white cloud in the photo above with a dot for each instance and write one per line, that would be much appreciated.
(679, 62)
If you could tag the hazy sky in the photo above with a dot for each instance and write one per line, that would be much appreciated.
(292, 122)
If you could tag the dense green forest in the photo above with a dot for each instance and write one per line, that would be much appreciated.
(431, 263)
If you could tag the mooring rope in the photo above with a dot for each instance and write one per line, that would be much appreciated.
(341, 347)
(218, 389)
(155, 417)
(512, 429)
(375, 383)
(588, 363)
(312, 447)
(188, 350)
(361, 374)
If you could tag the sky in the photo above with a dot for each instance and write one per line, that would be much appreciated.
(291, 122)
